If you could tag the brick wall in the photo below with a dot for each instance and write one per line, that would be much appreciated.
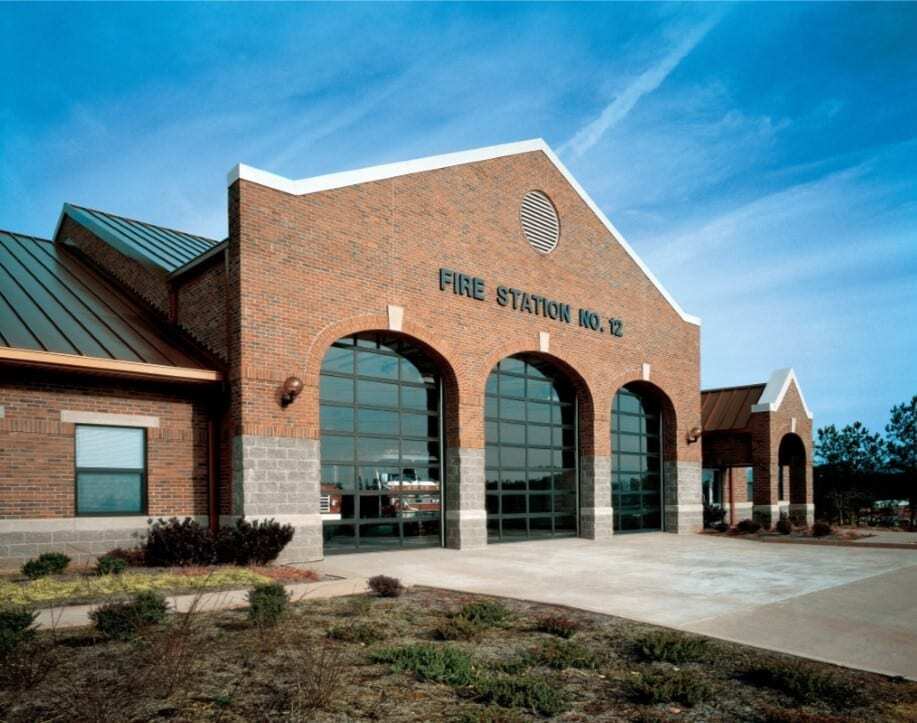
(201, 296)
(37, 449)
(315, 268)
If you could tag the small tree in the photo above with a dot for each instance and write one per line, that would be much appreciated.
(847, 458)
(901, 445)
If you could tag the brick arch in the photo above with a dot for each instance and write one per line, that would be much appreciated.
(320, 344)
(582, 386)
(792, 456)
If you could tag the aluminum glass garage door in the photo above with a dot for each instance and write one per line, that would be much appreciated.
(636, 479)
(380, 445)
(531, 452)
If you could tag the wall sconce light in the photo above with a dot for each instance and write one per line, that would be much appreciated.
(694, 434)
(292, 386)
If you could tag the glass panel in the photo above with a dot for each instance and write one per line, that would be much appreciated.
(337, 448)
(338, 476)
(512, 386)
(336, 389)
(414, 453)
(336, 419)
(377, 365)
(109, 492)
(512, 409)
(338, 360)
(377, 393)
(339, 536)
(511, 433)
(424, 398)
(377, 421)
(539, 412)
(539, 436)
(540, 389)
(110, 447)
(374, 449)
(419, 425)
(512, 457)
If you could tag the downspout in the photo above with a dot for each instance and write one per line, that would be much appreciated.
(213, 510)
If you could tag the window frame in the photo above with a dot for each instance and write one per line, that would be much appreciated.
(144, 472)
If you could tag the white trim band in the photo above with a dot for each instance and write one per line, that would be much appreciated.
(775, 391)
(116, 420)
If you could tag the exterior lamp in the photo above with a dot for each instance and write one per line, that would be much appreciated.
(694, 434)
(292, 386)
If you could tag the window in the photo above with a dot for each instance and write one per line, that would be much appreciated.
(750, 483)
(110, 470)
(636, 480)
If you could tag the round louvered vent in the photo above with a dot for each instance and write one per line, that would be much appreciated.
(539, 222)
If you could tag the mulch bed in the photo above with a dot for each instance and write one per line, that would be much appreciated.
(218, 666)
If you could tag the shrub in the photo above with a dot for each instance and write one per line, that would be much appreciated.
(526, 692)
(489, 714)
(747, 527)
(457, 627)
(666, 646)
(385, 586)
(123, 620)
(713, 514)
(267, 604)
(365, 633)
(49, 563)
(668, 686)
(721, 527)
(806, 684)
(436, 663)
(784, 526)
(485, 613)
(106, 565)
(558, 625)
(252, 543)
(178, 542)
(16, 627)
(561, 654)
(821, 529)
(134, 556)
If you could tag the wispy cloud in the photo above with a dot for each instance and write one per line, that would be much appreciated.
(650, 79)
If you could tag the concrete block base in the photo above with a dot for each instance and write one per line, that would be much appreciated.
(466, 515)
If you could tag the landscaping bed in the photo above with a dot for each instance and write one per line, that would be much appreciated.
(78, 586)
(428, 655)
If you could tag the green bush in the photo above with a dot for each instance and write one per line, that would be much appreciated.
(806, 684)
(436, 663)
(366, 633)
(784, 526)
(485, 613)
(251, 543)
(821, 529)
(666, 646)
(747, 527)
(267, 604)
(106, 565)
(457, 627)
(178, 542)
(49, 563)
(668, 686)
(123, 620)
(561, 654)
(133, 556)
(525, 692)
(385, 586)
(558, 625)
(16, 627)
(489, 714)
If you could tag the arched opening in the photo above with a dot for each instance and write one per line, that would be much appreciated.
(642, 441)
(380, 422)
(791, 470)
(531, 450)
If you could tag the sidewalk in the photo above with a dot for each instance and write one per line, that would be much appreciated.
(75, 616)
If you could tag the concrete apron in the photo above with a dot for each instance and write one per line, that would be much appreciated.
(75, 616)
(852, 606)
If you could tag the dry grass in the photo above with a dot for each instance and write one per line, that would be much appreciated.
(218, 667)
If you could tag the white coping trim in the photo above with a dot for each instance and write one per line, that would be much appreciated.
(342, 179)
(775, 391)
(118, 420)
(597, 511)
(685, 508)
(65, 524)
(466, 514)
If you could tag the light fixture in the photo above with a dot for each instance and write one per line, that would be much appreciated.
(694, 434)
(292, 386)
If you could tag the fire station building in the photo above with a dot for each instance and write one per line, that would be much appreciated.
(459, 350)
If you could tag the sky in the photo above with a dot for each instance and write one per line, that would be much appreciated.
(760, 158)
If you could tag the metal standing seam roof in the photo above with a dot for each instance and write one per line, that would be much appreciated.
(162, 247)
(51, 302)
(728, 408)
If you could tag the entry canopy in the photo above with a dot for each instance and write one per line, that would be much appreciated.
(343, 179)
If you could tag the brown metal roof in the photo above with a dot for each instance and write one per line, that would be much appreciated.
(50, 302)
(728, 408)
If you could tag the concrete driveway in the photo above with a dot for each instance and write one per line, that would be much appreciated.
(847, 605)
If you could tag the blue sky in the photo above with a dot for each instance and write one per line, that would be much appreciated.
(761, 158)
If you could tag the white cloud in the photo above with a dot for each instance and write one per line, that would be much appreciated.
(650, 79)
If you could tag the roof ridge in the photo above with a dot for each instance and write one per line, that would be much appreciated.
(737, 386)
(144, 223)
